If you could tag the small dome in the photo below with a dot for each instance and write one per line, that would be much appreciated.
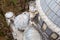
(31, 34)
(22, 20)
(32, 6)
(9, 14)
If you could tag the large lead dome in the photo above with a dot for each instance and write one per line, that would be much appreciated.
(52, 10)
(49, 11)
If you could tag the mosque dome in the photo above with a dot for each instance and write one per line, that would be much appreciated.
(50, 13)
(52, 10)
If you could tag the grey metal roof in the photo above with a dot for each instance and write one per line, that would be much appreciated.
(52, 10)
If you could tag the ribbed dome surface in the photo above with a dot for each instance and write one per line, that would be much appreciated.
(52, 10)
